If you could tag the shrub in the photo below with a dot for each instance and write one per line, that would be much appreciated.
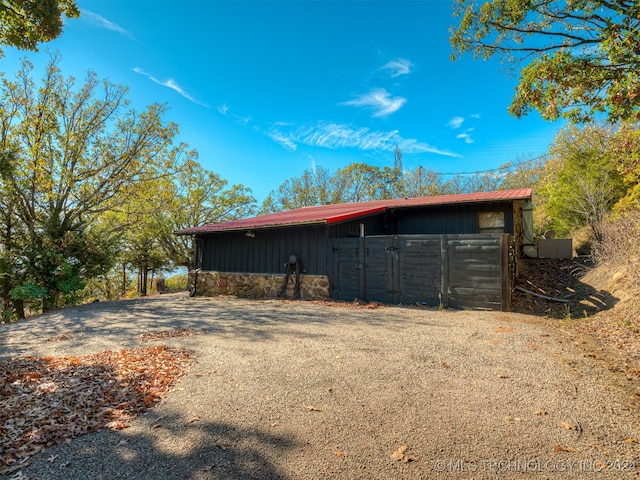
(620, 244)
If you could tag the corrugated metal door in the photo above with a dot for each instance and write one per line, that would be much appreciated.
(420, 265)
(345, 281)
(381, 270)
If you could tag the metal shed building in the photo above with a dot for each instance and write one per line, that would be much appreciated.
(452, 250)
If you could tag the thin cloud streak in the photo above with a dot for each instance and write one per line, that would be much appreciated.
(282, 140)
(335, 136)
(102, 22)
(379, 100)
(170, 83)
(398, 67)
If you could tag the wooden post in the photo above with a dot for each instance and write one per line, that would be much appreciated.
(505, 273)
(444, 268)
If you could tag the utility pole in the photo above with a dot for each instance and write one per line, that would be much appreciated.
(398, 162)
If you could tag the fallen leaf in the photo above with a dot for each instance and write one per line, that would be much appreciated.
(273, 424)
(116, 425)
(630, 440)
(311, 408)
(155, 426)
(401, 455)
(505, 330)
(339, 453)
(558, 448)
(542, 412)
(194, 419)
(501, 375)
(568, 426)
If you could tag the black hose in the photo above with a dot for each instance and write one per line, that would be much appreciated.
(195, 283)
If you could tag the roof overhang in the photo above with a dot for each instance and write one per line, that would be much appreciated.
(333, 214)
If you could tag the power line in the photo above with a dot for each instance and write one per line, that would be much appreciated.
(540, 157)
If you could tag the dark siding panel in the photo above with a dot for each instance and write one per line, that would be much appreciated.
(379, 270)
(420, 268)
(345, 280)
(455, 219)
(267, 252)
(374, 225)
(475, 271)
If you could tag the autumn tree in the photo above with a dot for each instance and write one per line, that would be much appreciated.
(421, 182)
(360, 182)
(25, 24)
(577, 59)
(69, 155)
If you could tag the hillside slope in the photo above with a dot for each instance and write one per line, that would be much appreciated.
(602, 305)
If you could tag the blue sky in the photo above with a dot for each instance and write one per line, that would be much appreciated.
(266, 89)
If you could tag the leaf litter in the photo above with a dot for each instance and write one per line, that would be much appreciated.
(175, 332)
(47, 400)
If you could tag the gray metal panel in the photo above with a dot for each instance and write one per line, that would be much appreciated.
(379, 270)
(420, 267)
(345, 281)
(475, 271)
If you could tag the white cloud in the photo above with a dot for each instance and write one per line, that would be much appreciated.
(223, 109)
(398, 67)
(466, 135)
(467, 138)
(170, 83)
(456, 122)
(102, 22)
(334, 135)
(476, 115)
(379, 100)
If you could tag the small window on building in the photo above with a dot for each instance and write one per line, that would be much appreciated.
(491, 222)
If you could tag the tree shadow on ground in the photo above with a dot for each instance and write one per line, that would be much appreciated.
(560, 280)
(169, 447)
(119, 324)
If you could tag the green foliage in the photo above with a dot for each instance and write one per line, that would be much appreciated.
(359, 182)
(29, 293)
(196, 197)
(176, 283)
(583, 180)
(577, 59)
(69, 156)
(25, 24)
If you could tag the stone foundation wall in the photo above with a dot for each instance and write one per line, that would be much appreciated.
(258, 285)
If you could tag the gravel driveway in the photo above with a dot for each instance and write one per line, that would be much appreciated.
(305, 390)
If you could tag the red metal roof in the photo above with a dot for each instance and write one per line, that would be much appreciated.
(327, 214)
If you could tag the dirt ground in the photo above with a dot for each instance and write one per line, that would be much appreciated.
(306, 390)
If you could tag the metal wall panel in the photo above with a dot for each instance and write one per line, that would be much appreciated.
(266, 252)
(420, 266)
(455, 219)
